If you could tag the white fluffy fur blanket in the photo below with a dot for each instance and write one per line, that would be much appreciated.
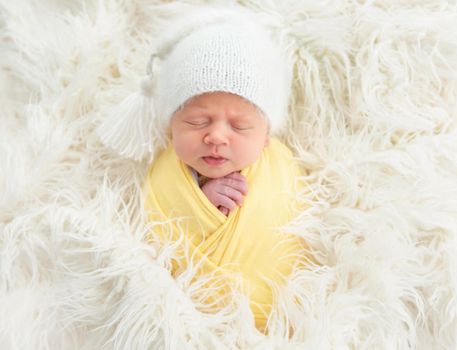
(373, 119)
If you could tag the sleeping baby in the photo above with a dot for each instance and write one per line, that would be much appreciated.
(222, 93)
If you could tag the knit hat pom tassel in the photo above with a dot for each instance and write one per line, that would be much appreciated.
(132, 128)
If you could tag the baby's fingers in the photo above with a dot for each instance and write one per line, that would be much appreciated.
(231, 193)
(226, 202)
(223, 210)
(236, 181)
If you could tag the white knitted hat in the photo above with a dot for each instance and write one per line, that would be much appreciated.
(236, 57)
(227, 52)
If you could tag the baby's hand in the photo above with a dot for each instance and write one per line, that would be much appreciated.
(226, 192)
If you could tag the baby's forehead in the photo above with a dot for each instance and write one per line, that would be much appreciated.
(233, 104)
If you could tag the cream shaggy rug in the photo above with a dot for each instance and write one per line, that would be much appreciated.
(373, 120)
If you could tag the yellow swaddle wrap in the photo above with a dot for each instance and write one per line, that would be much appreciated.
(247, 240)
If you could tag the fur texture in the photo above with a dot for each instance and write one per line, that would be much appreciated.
(373, 119)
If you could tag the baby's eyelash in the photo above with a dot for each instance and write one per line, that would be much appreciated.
(195, 123)
(241, 128)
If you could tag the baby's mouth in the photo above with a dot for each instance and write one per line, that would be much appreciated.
(214, 161)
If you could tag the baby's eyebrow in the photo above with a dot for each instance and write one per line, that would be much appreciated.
(241, 117)
(194, 105)
(197, 111)
(208, 112)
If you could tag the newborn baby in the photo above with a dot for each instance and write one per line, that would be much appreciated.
(221, 161)
(223, 186)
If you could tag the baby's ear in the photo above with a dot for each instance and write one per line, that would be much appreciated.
(267, 140)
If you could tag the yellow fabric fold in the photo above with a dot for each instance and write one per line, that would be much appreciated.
(246, 242)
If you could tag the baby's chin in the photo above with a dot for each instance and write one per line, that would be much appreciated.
(218, 171)
(215, 173)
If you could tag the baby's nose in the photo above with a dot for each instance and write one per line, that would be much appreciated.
(217, 135)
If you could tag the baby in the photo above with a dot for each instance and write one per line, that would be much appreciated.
(222, 93)
(218, 134)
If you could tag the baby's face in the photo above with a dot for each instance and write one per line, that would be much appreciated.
(218, 133)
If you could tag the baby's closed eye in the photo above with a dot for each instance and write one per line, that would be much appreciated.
(241, 126)
(196, 122)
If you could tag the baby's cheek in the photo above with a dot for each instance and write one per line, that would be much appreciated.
(185, 147)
